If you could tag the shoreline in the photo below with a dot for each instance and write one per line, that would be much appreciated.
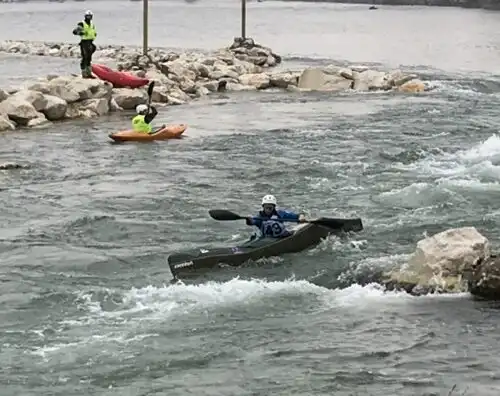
(180, 77)
(490, 5)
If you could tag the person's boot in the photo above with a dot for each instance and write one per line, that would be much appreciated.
(89, 72)
(84, 73)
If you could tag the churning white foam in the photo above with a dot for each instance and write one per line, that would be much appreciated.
(144, 311)
(156, 303)
(447, 176)
(463, 163)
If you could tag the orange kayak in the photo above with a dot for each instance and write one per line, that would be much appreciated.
(169, 132)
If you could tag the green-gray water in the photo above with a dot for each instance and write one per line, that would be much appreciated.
(86, 307)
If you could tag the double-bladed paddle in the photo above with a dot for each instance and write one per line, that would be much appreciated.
(150, 93)
(345, 224)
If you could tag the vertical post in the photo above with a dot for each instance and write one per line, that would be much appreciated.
(243, 19)
(145, 27)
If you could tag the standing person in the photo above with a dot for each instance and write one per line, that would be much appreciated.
(86, 30)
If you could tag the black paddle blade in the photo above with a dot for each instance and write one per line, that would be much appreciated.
(151, 87)
(345, 225)
(223, 215)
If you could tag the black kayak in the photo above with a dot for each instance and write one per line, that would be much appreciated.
(309, 235)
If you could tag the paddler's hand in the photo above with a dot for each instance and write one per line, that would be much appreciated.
(302, 218)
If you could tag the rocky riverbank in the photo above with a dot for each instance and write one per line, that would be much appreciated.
(179, 78)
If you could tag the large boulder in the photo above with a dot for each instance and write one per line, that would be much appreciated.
(38, 86)
(69, 89)
(179, 68)
(160, 79)
(160, 95)
(200, 69)
(371, 80)
(441, 261)
(222, 70)
(315, 79)
(257, 80)
(412, 86)
(73, 89)
(284, 79)
(98, 106)
(128, 98)
(35, 98)
(55, 108)
(397, 77)
(177, 96)
(88, 108)
(19, 110)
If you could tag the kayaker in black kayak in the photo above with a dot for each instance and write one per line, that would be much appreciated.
(266, 222)
(87, 32)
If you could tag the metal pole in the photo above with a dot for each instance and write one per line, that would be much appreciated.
(145, 27)
(243, 18)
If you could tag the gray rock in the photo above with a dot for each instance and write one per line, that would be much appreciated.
(55, 108)
(484, 278)
(18, 110)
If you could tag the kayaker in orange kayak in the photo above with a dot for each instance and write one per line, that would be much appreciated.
(142, 121)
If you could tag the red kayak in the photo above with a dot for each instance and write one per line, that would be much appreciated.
(118, 79)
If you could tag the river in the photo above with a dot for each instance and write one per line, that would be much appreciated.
(86, 307)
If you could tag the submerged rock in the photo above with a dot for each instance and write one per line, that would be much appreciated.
(441, 263)
(12, 165)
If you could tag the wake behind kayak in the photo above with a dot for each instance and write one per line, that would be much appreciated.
(188, 262)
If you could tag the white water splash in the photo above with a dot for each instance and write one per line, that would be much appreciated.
(146, 310)
(449, 175)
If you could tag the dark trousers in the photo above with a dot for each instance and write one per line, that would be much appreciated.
(87, 49)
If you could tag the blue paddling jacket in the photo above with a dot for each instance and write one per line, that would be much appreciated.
(269, 226)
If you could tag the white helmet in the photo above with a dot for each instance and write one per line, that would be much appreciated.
(141, 108)
(269, 200)
(89, 13)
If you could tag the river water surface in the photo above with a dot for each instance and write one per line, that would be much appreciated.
(86, 307)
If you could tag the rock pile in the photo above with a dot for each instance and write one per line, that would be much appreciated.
(54, 99)
(179, 78)
(243, 49)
